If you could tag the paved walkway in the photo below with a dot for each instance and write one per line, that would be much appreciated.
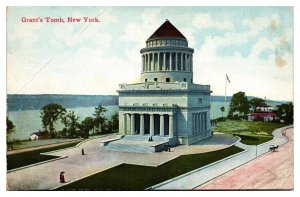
(77, 166)
(202, 175)
(270, 171)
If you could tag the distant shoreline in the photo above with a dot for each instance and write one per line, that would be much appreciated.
(17, 102)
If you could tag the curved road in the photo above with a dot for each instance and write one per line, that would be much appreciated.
(274, 170)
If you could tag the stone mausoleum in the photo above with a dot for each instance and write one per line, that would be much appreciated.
(165, 104)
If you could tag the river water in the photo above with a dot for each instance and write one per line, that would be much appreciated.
(29, 121)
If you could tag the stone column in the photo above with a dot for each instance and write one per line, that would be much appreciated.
(181, 61)
(202, 122)
(171, 126)
(193, 128)
(132, 125)
(191, 60)
(205, 121)
(170, 60)
(195, 123)
(164, 64)
(158, 60)
(142, 124)
(176, 61)
(151, 124)
(162, 125)
(150, 61)
(198, 123)
(187, 64)
(124, 124)
(146, 62)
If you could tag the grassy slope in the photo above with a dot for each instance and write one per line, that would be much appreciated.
(23, 159)
(136, 177)
(254, 140)
(247, 127)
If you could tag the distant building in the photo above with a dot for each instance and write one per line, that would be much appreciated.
(264, 109)
(39, 135)
(266, 116)
(166, 103)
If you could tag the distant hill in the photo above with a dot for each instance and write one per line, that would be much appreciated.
(17, 102)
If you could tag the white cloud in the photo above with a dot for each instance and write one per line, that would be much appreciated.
(139, 32)
(250, 74)
(205, 21)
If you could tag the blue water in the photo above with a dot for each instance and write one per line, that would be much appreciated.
(29, 121)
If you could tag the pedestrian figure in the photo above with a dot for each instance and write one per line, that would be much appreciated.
(82, 151)
(150, 139)
(62, 177)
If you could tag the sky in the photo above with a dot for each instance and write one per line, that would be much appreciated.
(252, 45)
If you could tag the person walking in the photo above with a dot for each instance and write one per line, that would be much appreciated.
(62, 177)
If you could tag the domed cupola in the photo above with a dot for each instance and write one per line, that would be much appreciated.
(167, 57)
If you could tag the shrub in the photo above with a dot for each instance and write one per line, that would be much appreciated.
(258, 119)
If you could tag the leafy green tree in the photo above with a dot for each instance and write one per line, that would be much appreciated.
(50, 114)
(222, 110)
(286, 112)
(99, 116)
(10, 127)
(256, 102)
(115, 121)
(86, 125)
(239, 104)
(70, 120)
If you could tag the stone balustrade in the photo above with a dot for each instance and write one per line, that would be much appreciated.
(163, 86)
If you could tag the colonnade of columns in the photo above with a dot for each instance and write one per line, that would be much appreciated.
(199, 122)
(130, 124)
(170, 61)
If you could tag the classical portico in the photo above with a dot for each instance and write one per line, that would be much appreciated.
(143, 123)
(166, 103)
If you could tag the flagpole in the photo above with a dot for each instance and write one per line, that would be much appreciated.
(225, 87)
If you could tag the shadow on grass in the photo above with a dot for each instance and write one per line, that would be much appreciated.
(31, 157)
(137, 177)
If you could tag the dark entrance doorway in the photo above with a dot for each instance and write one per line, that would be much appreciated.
(147, 123)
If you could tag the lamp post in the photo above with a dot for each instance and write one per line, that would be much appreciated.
(256, 150)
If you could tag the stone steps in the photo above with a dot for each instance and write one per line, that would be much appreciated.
(145, 138)
(129, 148)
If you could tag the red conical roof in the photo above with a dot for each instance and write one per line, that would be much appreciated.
(167, 30)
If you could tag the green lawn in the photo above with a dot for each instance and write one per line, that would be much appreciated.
(254, 140)
(137, 177)
(26, 158)
(247, 127)
(36, 143)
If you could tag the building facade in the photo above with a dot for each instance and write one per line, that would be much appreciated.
(166, 103)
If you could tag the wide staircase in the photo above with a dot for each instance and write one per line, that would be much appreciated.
(138, 144)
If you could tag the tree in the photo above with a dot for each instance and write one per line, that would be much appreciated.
(70, 120)
(10, 127)
(86, 125)
(239, 104)
(286, 112)
(256, 102)
(99, 116)
(222, 110)
(115, 121)
(50, 114)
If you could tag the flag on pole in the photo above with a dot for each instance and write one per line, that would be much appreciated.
(227, 78)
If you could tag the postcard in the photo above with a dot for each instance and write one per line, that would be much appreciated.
(149, 98)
